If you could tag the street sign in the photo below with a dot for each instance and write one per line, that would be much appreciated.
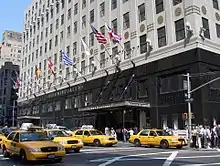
(189, 100)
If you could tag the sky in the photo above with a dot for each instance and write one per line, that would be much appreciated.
(12, 15)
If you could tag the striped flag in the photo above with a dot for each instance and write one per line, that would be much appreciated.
(50, 64)
(114, 37)
(86, 48)
(37, 73)
(99, 36)
(66, 59)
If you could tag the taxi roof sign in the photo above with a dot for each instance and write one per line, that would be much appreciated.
(87, 127)
(26, 126)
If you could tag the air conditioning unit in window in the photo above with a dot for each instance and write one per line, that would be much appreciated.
(27, 29)
(38, 18)
(47, 9)
(42, 14)
(33, 22)
(201, 33)
(51, 5)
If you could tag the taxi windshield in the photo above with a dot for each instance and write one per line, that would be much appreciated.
(57, 133)
(162, 133)
(96, 132)
(33, 136)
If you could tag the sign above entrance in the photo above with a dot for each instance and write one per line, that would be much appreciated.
(115, 105)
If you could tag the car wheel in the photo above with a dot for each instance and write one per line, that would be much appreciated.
(76, 150)
(137, 143)
(96, 142)
(59, 160)
(164, 144)
(179, 147)
(23, 156)
(5, 153)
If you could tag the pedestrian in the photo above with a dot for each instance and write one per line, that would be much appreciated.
(218, 134)
(113, 133)
(107, 132)
(131, 132)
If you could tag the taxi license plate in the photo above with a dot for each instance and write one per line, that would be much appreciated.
(51, 156)
(73, 147)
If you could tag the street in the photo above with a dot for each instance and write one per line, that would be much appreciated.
(126, 155)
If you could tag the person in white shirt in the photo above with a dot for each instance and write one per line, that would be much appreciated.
(131, 132)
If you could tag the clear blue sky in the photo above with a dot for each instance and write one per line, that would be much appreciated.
(12, 15)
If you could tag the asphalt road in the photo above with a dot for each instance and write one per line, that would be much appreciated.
(125, 155)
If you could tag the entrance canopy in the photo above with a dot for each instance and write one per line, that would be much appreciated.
(115, 105)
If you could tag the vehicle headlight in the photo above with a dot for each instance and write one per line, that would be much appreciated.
(63, 142)
(34, 150)
(61, 148)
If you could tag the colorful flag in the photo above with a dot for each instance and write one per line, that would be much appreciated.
(99, 36)
(37, 73)
(66, 59)
(86, 48)
(114, 37)
(50, 64)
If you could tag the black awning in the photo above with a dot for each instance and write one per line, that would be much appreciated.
(122, 104)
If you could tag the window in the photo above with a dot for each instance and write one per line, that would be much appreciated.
(83, 4)
(176, 2)
(180, 29)
(16, 138)
(114, 25)
(141, 12)
(127, 47)
(74, 48)
(102, 30)
(69, 14)
(144, 133)
(68, 31)
(102, 9)
(159, 6)
(61, 36)
(68, 50)
(75, 8)
(91, 66)
(114, 4)
(102, 60)
(75, 27)
(172, 83)
(56, 40)
(161, 34)
(86, 133)
(83, 67)
(217, 30)
(126, 22)
(91, 39)
(84, 21)
(205, 24)
(62, 19)
(153, 134)
(57, 23)
(143, 44)
(114, 53)
(142, 88)
(11, 136)
(51, 28)
(125, 1)
(92, 16)
(215, 4)
(80, 132)
(50, 44)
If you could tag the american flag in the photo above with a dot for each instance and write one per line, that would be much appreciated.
(99, 36)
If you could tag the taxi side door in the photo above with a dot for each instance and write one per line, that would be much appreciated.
(86, 137)
(143, 137)
(79, 134)
(8, 142)
(15, 144)
(152, 138)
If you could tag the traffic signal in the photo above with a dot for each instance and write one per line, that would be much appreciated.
(14, 95)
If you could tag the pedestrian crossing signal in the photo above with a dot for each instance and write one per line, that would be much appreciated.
(186, 117)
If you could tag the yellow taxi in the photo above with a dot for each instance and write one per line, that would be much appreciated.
(156, 137)
(70, 143)
(95, 137)
(32, 145)
(2, 137)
